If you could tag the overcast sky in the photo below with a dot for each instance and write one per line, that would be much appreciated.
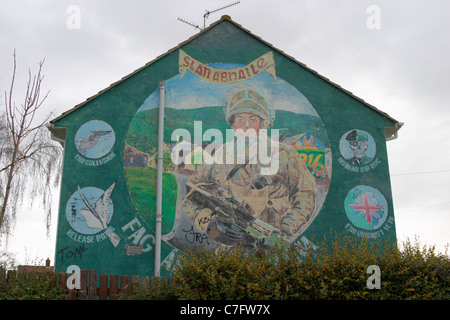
(394, 54)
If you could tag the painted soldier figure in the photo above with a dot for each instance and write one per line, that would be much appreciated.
(358, 142)
(235, 203)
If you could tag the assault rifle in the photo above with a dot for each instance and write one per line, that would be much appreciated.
(232, 222)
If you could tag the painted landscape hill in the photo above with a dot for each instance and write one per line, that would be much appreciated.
(143, 130)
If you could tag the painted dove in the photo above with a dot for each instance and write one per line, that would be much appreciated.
(97, 217)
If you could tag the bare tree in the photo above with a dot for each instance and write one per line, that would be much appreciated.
(30, 161)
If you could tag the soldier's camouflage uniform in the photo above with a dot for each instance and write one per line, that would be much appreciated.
(286, 202)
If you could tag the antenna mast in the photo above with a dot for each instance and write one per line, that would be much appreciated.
(190, 23)
(206, 15)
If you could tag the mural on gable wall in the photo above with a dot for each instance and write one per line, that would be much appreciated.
(247, 161)
(216, 194)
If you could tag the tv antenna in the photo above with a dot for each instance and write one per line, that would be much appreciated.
(206, 16)
(189, 23)
(207, 13)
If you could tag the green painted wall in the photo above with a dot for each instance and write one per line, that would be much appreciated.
(115, 118)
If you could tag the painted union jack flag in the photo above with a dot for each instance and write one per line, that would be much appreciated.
(368, 208)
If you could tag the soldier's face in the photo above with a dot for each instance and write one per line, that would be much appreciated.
(246, 124)
(359, 148)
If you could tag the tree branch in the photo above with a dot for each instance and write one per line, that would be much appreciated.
(24, 146)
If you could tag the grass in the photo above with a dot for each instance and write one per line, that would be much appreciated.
(142, 186)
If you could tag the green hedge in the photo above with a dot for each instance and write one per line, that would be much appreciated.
(338, 271)
(21, 287)
(333, 272)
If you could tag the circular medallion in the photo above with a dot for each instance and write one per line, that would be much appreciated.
(366, 207)
(357, 147)
(89, 210)
(202, 188)
(94, 139)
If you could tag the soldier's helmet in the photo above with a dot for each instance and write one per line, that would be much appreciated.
(246, 99)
